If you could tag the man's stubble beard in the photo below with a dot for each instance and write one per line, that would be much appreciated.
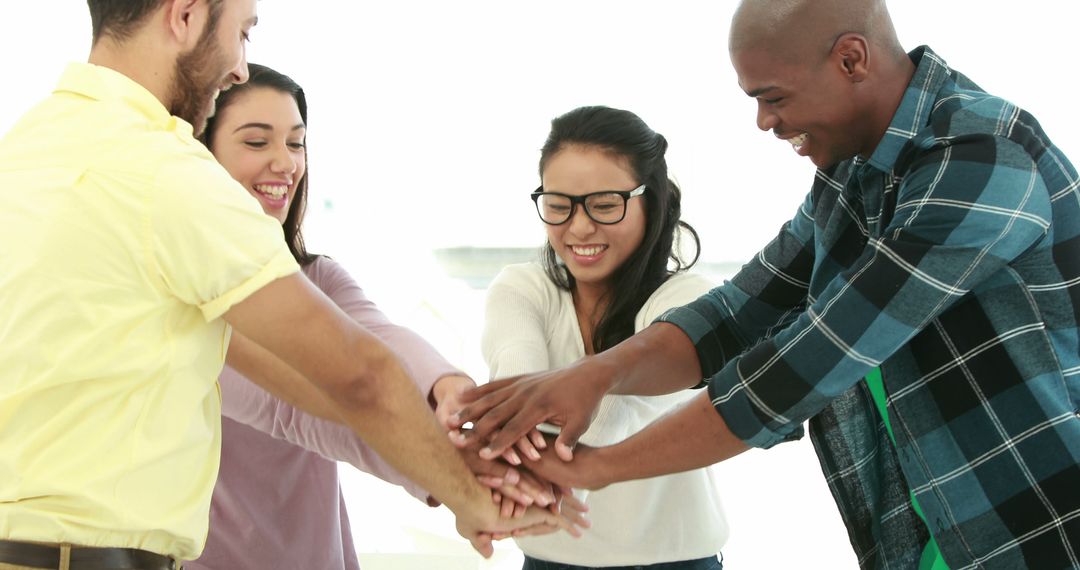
(196, 80)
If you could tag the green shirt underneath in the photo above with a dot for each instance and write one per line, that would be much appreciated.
(931, 556)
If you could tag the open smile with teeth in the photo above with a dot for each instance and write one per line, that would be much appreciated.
(587, 250)
(798, 140)
(272, 190)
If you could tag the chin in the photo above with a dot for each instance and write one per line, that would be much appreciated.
(829, 161)
(198, 124)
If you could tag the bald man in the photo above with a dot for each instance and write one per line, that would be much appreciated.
(920, 310)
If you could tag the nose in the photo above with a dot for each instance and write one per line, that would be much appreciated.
(283, 161)
(766, 118)
(240, 74)
(580, 223)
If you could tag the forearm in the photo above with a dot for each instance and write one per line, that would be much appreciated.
(396, 421)
(305, 417)
(247, 403)
(658, 360)
(361, 378)
(691, 437)
(275, 376)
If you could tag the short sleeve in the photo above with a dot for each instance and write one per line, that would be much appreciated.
(211, 242)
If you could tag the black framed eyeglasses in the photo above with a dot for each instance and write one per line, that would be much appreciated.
(607, 207)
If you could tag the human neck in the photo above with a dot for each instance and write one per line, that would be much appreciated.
(885, 99)
(590, 300)
(589, 296)
(141, 61)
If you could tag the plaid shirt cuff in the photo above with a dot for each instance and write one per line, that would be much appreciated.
(721, 376)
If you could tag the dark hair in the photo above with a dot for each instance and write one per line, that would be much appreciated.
(120, 18)
(264, 77)
(624, 134)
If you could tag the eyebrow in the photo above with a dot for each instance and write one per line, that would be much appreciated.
(761, 90)
(266, 127)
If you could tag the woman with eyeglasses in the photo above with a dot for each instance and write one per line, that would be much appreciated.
(610, 266)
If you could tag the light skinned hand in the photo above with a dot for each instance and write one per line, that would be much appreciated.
(483, 524)
(518, 484)
(446, 397)
(566, 504)
(586, 471)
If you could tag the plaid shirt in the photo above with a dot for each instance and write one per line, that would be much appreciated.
(951, 260)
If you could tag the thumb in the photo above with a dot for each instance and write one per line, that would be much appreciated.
(568, 438)
(482, 544)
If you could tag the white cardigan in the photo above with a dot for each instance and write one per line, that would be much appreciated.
(530, 325)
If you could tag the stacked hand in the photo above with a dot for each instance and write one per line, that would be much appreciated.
(524, 503)
(480, 523)
(504, 412)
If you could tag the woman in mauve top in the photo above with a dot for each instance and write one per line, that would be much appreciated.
(277, 503)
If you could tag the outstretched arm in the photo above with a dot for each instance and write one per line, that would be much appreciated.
(690, 437)
(658, 360)
(369, 389)
(310, 422)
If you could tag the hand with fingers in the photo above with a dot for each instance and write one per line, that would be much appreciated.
(505, 412)
(587, 471)
(446, 395)
(515, 489)
(515, 483)
(570, 507)
(566, 505)
(482, 523)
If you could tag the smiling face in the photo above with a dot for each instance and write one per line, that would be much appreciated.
(592, 251)
(809, 104)
(259, 139)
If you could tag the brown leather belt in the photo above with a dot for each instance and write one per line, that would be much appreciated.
(83, 557)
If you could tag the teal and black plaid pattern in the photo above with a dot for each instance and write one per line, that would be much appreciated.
(950, 259)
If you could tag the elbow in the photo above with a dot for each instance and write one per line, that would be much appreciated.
(361, 386)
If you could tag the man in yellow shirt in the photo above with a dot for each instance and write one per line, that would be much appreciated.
(128, 251)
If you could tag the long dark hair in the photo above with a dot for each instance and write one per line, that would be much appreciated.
(262, 76)
(624, 134)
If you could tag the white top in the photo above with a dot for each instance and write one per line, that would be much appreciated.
(530, 325)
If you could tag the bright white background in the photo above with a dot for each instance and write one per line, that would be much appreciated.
(425, 122)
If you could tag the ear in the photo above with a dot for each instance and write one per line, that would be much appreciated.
(851, 53)
(185, 20)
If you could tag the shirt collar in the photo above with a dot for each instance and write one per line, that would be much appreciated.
(103, 84)
(914, 110)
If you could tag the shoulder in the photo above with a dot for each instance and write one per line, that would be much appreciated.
(524, 287)
(980, 127)
(527, 278)
(177, 154)
(684, 283)
(334, 281)
(680, 289)
(323, 269)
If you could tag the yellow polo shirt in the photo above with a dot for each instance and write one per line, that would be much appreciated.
(122, 242)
